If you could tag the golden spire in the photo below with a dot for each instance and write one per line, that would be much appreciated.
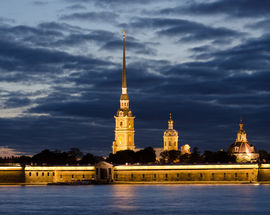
(124, 101)
(241, 124)
(124, 76)
(170, 122)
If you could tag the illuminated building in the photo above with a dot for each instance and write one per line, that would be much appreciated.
(124, 120)
(242, 149)
(170, 137)
(185, 149)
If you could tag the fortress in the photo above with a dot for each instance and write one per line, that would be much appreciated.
(246, 172)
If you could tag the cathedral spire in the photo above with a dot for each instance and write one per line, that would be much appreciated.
(124, 101)
(124, 76)
(170, 122)
(241, 124)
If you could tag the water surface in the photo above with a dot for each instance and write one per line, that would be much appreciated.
(136, 199)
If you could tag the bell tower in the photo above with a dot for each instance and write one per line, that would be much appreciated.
(124, 120)
(170, 137)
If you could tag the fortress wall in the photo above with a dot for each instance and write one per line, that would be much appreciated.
(11, 174)
(231, 173)
(56, 174)
(186, 173)
(264, 173)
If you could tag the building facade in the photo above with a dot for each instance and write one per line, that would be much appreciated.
(242, 149)
(170, 137)
(124, 120)
(107, 173)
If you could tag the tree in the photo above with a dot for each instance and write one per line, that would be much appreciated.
(171, 156)
(122, 157)
(50, 158)
(195, 156)
(264, 156)
(74, 155)
(147, 155)
(218, 157)
(88, 159)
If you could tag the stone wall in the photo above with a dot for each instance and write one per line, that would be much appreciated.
(58, 174)
(186, 174)
(207, 174)
(11, 175)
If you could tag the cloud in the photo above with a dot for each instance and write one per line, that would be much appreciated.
(185, 30)
(131, 45)
(40, 3)
(91, 17)
(76, 7)
(240, 8)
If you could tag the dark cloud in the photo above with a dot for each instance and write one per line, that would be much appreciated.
(76, 7)
(91, 17)
(6, 20)
(137, 47)
(261, 25)
(40, 3)
(187, 31)
(239, 8)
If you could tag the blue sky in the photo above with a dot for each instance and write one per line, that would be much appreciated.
(207, 62)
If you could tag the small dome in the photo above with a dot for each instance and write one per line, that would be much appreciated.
(170, 132)
(241, 147)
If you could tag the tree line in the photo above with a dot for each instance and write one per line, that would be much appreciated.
(144, 156)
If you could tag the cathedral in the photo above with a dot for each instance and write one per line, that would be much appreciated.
(124, 120)
(124, 123)
(124, 130)
(242, 149)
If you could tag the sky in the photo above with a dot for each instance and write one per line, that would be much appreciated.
(206, 62)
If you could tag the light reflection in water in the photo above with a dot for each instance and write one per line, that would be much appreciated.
(136, 199)
(123, 197)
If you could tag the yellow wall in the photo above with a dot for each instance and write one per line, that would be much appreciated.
(186, 173)
(233, 173)
(11, 175)
(45, 175)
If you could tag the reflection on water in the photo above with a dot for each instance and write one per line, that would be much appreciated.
(136, 199)
(123, 197)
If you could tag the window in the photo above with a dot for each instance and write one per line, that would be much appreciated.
(121, 124)
(225, 176)
(115, 176)
(83, 176)
(72, 176)
(132, 176)
(189, 176)
(166, 177)
(178, 175)
(30, 173)
(37, 174)
(235, 175)
(143, 176)
(201, 176)
(48, 174)
(53, 174)
(61, 176)
(42, 174)
(247, 175)
(213, 176)
(155, 177)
